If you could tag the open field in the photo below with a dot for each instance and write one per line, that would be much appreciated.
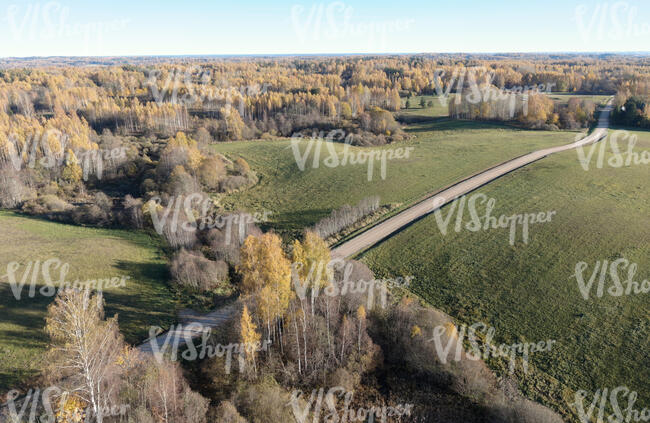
(144, 300)
(563, 98)
(443, 152)
(438, 109)
(528, 291)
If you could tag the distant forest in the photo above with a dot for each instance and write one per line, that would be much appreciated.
(79, 135)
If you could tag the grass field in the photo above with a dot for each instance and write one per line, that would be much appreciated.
(91, 253)
(563, 98)
(438, 109)
(444, 151)
(527, 292)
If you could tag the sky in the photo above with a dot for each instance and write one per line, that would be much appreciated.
(193, 27)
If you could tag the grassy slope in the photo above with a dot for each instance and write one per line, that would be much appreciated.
(92, 253)
(445, 151)
(526, 292)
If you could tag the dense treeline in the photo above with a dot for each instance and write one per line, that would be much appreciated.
(69, 133)
(234, 99)
(533, 110)
(632, 104)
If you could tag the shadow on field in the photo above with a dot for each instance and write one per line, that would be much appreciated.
(448, 124)
(137, 312)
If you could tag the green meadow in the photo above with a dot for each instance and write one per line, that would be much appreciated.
(529, 292)
(443, 151)
(144, 299)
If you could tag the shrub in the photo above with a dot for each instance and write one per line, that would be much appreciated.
(211, 171)
(227, 413)
(180, 182)
(191, 269)
(176, 235)
(148, 185)
(52, 203)
(233, 183)
(90, 214)
(241, 166)
(265, 403)
(225, 243)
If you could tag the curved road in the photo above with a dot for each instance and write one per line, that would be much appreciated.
(194, 325)
(388, 227)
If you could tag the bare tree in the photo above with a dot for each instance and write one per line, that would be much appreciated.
(13, 190)
(84, 348)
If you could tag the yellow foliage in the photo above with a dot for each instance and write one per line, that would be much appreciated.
(361, 312)
(450, 330)
(183, 141)
(72, 171)
(72, 410)
(416, 331)
(312, 258)
(248, 335)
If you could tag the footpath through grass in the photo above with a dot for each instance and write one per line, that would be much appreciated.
(444, 151)
(528, 292)
(145, 299)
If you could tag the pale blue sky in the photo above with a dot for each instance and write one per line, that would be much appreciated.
(140, 27)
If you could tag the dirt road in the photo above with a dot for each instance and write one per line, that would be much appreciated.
(388, 227)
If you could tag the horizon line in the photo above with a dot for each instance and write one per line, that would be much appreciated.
(640, 52)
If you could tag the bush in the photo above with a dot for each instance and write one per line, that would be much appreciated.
(177, 236)
(265, 403)
(90, 214)
(47, 204)
(169, 160)
(233, 183)
(148, 185)
(227, 413)
(226, 242)
(191, 269)
(181, 183)
(242, 167)
(211, 171)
